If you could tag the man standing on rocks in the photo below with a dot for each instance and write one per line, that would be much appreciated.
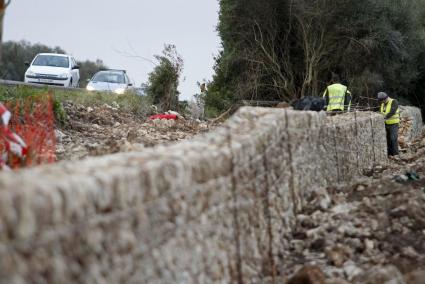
(337, 97)
(389, 108)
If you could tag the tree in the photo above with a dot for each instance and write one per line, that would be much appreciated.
(88, 69)
(3, 6)
(15, 54)
(163, 81)
(286, 49)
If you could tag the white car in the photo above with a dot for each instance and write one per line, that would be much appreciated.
(111, 80)
(53, 69)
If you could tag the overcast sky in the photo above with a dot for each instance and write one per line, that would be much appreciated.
(91, 29)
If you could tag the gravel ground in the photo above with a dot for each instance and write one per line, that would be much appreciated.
(372, 231)
(95, 131)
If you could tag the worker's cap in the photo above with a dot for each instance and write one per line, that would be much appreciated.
(382, 96)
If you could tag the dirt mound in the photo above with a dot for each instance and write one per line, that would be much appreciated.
(107, 129)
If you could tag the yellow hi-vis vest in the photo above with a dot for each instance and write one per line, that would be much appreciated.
(386, 108)
(336, 93)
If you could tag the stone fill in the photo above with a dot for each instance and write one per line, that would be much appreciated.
(211, 210)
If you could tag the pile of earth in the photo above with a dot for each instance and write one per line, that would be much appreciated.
(107, 129)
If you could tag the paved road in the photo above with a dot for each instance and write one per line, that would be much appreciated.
(138, 91)
(17, 83)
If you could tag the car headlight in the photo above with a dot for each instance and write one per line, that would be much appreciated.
(63, 76)
(30, 73)
(90, 88)
(119, 91)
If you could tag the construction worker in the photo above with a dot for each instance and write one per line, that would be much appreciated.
(335, 95)
(389, 108)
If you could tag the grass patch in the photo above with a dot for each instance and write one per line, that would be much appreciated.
(138, 105)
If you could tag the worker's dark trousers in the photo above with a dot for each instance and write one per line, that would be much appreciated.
(392, 139)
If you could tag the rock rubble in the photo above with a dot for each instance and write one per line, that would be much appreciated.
(372, 232)
(95, 131)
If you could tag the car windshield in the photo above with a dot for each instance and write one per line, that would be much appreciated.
(109, 77)
(51, 60)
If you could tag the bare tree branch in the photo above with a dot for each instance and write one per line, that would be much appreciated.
(135, 55)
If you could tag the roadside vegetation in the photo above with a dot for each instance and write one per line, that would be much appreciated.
(161, 87)
(283, 50)
(138, 105)
(15, 54)
(163, 81)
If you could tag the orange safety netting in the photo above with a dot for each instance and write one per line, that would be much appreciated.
(34, 121)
